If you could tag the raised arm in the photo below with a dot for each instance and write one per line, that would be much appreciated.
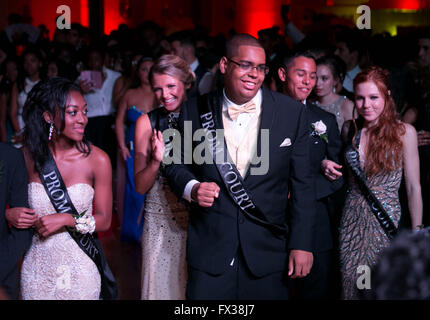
(411, 165)
(148, 154)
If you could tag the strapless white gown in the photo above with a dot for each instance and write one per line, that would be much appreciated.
(56, 268)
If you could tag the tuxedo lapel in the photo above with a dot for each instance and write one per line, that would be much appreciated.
(217, 104)
(267, 113)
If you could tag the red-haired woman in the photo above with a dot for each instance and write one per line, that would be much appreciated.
(380, 148)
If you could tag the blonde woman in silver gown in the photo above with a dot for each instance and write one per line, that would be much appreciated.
(164, 269)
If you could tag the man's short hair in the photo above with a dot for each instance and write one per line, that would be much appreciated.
(288, 59)
(185, 38)
(241, 39)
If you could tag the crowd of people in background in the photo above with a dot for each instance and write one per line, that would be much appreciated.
(124, 77)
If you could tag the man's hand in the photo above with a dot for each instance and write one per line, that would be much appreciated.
(205, 193)
(330, 169)
(21, 218)
(300, 263)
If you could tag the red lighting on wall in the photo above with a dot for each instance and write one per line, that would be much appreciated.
(409, 4)
(85, 13)
(112, 18)
(254, 15)
(397, 4)
(45, 12)
(330, 3)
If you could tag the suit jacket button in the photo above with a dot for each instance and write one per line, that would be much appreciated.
(241, 220)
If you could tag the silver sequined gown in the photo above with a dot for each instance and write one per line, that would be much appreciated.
(164, 268)
(56, 268)
(361, 236)
(334, 109)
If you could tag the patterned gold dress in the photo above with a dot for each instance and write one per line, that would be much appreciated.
(164, 236)
(361, 236)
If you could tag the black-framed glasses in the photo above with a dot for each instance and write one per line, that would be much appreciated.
(248, 67)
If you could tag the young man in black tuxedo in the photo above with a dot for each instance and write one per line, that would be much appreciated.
(299, 77)
(15, 235)
(234, 252)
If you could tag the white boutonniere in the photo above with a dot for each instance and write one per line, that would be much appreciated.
(320, 130)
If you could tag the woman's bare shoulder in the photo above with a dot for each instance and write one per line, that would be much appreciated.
(410, 132)
(98, 157)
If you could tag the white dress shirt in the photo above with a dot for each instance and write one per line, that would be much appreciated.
(100, 101)
(239, 125)
(194, 65)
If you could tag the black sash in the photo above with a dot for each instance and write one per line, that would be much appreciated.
(229, 174)
(57, 193)
(377, 208)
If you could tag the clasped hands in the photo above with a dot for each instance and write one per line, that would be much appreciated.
(24, 218)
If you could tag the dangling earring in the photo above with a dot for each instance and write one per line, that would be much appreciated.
(51, 130)
(334, 89)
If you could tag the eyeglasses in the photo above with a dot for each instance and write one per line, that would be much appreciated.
(248, 67)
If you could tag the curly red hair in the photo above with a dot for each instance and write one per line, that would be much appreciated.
(385, 149)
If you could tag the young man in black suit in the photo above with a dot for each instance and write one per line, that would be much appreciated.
(234, 252)
(15, 235)
(299, 77)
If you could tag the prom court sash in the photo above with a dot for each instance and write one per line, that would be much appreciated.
(57, 193)
(376, 207)
(229, 174)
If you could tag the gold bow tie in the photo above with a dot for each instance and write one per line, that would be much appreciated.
(234, 111)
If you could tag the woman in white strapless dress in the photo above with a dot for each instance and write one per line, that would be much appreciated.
(55, 267)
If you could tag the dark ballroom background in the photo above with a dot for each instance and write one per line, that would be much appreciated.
(219, 16)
